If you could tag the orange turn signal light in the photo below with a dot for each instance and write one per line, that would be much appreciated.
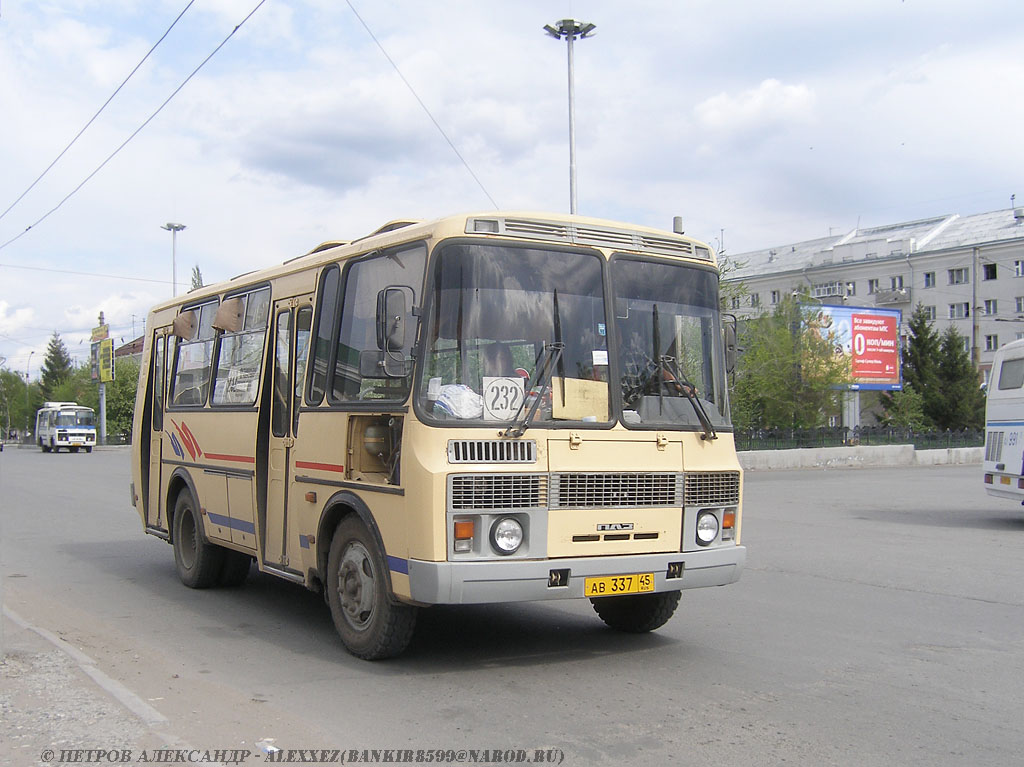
(463, 530)
(729, 520)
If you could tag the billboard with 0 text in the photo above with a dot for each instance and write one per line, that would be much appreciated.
(868, 337)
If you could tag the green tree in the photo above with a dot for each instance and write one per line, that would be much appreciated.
(789, 372)
(57, 366)
(962, 402)
(197, 278)
(904, 409)
(920, 364)
(121, 399)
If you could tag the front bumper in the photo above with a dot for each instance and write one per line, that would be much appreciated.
(527, 580)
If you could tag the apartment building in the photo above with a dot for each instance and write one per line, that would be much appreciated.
(967, 271)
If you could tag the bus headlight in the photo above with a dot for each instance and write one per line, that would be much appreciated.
(506, 535)
(707, 527)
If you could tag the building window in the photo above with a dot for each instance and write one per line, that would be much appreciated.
(1018, 268)
(929, 279)
(958, 276)
(991, 343)
(735, 302)
(988, 271)
(872, 287)
(959, 311)
(827, 289)
(755, 300)
(776, 296)
(930, 312)
(991, 306)
(1019, 302)
(1018, 335)
(851, 288)
(896, 283)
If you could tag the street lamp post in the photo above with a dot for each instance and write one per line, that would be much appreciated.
(174, 229)
(570, 29)
(27, 405)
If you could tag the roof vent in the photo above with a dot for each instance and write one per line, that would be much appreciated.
(1018, 215)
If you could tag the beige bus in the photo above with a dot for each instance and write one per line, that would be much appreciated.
(483, 408)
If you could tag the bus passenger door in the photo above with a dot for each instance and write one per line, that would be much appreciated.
(155, 501)
(292, 322)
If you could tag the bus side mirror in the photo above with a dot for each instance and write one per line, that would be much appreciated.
(729, 337)
(391, 311)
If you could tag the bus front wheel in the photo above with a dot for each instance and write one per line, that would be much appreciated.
(198, 561)
(371, 625)
(637, 614)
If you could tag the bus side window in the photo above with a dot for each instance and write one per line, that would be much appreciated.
(303, 332)
(240, 353)
(282, 365)
(326, 315)
(193, 360)
(158, 384)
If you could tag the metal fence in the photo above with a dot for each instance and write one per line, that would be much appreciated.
(782, 439)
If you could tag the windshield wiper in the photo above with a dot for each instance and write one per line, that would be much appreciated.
(546, 364)
(670, 365)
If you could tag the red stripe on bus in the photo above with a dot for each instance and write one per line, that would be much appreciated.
(191, 437)
(235, 458)
(321, 466)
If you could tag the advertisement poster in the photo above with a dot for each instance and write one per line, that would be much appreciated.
(869, 337)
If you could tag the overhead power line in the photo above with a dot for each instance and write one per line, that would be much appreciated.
(424, 106)
(135, 132)
(98, 111)
(84, 274)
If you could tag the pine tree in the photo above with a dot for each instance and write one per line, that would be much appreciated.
(197, 278)
(962, 400)
(920, 362)
(57, 366)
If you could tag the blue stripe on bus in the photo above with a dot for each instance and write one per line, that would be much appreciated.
(1004, 423)
(398, 565)
(304, 541)
(235, 524)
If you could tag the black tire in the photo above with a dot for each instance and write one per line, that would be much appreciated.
(235, 569)
(198, 561)
(637, 614)
(88, 448)
(371, 625)
(73, 449)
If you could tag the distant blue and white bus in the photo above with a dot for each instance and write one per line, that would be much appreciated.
(1004, 424)
(65, 424)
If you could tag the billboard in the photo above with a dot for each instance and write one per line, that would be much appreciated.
(869, 337)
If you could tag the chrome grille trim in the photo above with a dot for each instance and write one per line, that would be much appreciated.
(712, 488)
(601, 236)
(602, 490)
(994, 446)
(483, 492)
(492, 451)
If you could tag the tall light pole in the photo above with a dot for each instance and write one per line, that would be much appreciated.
(27, 406)
(570, 29)
(174, 229)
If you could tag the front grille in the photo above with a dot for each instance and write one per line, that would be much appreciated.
(492, 451)
(481, 492)
(712, 488)
(623, 490)
(994, 446)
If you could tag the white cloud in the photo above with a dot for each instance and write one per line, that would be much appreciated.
(770, 104)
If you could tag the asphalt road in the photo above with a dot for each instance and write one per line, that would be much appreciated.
(880, 621)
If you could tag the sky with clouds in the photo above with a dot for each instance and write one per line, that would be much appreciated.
(758, 123)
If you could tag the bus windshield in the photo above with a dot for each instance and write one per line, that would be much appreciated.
(496, 314)
(69, 418)
(668, 339)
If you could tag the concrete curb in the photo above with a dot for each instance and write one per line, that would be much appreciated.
(857, 457)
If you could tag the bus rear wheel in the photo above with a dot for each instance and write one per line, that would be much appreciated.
(199, 562)
(637, 614)
(371, 625)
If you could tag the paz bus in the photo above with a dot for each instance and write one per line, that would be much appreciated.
(1003, 467)
(479, 409)
(65, 424)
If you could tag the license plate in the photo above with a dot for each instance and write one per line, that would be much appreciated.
(613, 585)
